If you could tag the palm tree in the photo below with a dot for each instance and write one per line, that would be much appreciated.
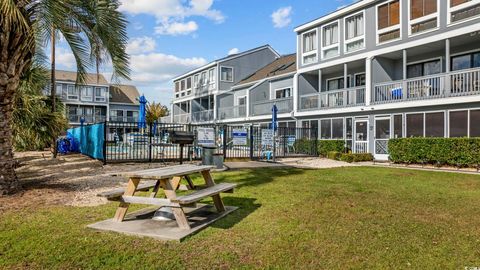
(155, 111)
(95, 31)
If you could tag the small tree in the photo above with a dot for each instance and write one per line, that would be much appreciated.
(155, 111)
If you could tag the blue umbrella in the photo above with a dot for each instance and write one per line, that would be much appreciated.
(274, 117)
(155, 125)
(142, 123)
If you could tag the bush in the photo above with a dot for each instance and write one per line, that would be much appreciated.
(330, 146)
(334, 155)
(305, 146)
(459, 152)
(351, 157)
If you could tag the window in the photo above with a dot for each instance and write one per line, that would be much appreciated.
(415, 125)
(360, 79)
(283, 93)
(388, 24)
(226, 74)
(203, 78)
(423, 15)
(59, 90)
(466, 61)
(242, 101)
(397, 126)
(354, 33)
(326, 129)
(474, 126)
(87, 93)
(458, 124)
(72, 92)
(424, 69)
(330, 37)
(349, 128)
(337, 83)
(196, 79)
(435, 124)
(309, 47)
(177, 87)
(189, 82)
(100, 94)
(211, 76)
(337, 128)
(460, 10)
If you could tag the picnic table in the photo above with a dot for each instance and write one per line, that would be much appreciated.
(168, 179)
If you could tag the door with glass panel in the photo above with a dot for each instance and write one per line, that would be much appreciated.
(382, 135)
(361, 136)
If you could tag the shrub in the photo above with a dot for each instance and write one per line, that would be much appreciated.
(305, 146)
(351, 157)
(334, 155)
(330, 146)
(459, 152)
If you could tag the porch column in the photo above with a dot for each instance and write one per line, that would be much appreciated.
(345, 76)
(214, 107)
(368, 81)
(319, 80)
(295, 93)
(447, 67)
(404, 66)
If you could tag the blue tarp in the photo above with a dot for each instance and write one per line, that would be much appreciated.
(90, 139)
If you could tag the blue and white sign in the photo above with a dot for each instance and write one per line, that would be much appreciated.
(267, 137)
(239, 137)
(206, 137)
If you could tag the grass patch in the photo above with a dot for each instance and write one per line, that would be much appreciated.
(356, 217)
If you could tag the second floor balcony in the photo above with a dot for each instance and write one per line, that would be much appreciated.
(87, 119)
(284, 105)
(232, 112)
(183, 118)
(202, 116)
(333, 99)
(452, 84)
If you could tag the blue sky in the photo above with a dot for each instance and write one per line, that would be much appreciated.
(170, 37)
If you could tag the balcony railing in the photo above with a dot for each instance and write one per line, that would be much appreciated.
(232, 112)
(202, 116)
(333, 99)
(74, 118)
(181, 118)
(453, 84)
(284, 105)
(165, 119)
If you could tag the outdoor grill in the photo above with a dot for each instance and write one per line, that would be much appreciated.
(182, 138)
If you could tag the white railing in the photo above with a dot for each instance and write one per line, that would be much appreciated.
(202, 116)
(165, 119)
(453, 84)
(333, 99)
(232, 112)
(74, 118)
(284, 105)
(361, 147)
(181, 118)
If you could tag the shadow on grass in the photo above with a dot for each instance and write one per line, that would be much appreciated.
(256, 177)
(246, 206)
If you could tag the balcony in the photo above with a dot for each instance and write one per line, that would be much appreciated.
(74, 118)
(453, 84)
(284, 105)
(232, 112)
(181, 118)
(165, 119)
(333, 99)
(202, 116)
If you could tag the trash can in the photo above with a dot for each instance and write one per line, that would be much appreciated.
(218, 161)
(207, 155)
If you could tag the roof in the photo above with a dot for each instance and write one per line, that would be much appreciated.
(71, 76)
(226, 58)
(283, 65)
(126, 94)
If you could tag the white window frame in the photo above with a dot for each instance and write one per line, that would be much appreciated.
(101, 98)
(355, 39)
(186, 83)
(76, 89)
(425, 61)
(211, 72)
(196, 81)
(345, 84)
(329, 47)
(312, 52)
(390, 28)
(468, 120)
(237, 103)
(203, 78)
(233, 75)
(450, 10)
(355, 79)
(85, 97)
(423, 19)
(274, 92)
(446, 126)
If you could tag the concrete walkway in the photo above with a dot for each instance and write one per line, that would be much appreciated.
(303, 163)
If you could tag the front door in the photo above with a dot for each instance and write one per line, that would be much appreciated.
(382, 135)
(361, 136)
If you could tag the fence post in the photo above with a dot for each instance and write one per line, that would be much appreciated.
(149, 142)
(225, 132)
(105, 127)
(189, 147)
(251, 142)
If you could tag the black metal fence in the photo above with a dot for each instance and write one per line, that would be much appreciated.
(126, 142)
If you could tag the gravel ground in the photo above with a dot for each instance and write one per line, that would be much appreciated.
(314, 163)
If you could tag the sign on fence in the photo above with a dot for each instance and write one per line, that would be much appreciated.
(267, 137)
(239, 137)
(206, 137)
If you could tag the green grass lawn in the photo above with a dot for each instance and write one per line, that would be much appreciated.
(355, 217)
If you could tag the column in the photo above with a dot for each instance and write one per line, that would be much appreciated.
(295, 93)
(368, 81)
(447, 81)
(404, 66)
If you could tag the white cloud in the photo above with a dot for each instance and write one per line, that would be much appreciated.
(233, 51)
(141, 45)
(175, 12)
(281, 17)
(64, 58)
(176, 28)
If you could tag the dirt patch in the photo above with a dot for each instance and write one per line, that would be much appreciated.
(68, 180)
(314, 163)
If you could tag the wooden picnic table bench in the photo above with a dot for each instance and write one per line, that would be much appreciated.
(168, 178)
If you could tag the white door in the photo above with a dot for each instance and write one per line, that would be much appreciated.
(361, 136)
(382, 135)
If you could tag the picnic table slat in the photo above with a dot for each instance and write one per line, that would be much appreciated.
(165, 172)
(207, 192)
(115, 193)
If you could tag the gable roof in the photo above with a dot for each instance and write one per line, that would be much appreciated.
(226, 58)
(71, 76)
(283, 65)
(126, 94)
